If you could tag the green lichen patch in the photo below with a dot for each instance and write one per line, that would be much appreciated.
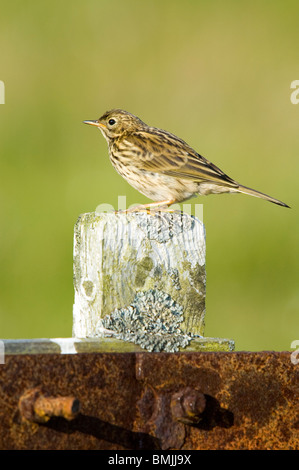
(88, 287)
(210, 344)
(143, 268)
(116, 279)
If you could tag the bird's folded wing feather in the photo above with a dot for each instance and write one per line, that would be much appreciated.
(166, 154)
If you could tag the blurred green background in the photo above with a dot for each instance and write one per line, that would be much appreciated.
(215, 73)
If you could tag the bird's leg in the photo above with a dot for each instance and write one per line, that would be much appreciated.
(162, 205)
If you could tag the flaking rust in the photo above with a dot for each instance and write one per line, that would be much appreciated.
(152, 321)
(37, 406)
(183, 401)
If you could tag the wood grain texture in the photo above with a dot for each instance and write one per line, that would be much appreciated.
(116, 256)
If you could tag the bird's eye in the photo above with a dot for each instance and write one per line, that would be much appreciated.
(111, 122)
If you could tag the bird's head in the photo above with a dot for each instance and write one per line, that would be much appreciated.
(116, 123)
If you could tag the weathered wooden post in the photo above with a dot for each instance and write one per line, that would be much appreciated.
(141, 276)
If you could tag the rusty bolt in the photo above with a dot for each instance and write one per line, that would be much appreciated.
(36, 406)
(187, 405)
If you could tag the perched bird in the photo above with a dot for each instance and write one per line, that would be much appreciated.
(160, 165)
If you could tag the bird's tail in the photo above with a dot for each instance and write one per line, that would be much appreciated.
(253, 192)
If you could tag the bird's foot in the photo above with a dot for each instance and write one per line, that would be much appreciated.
(151, 208)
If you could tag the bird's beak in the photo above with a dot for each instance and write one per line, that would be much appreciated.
(95, 123)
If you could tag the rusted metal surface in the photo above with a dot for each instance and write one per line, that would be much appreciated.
(38, 407)
(143, 401)
(187, 405)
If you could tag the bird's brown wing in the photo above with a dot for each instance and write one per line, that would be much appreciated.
(162, 152)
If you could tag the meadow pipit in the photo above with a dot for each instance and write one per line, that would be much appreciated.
(160, 165)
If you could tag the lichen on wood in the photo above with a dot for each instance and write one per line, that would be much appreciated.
(119, 257)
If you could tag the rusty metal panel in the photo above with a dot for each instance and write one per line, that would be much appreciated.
(153, 401)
